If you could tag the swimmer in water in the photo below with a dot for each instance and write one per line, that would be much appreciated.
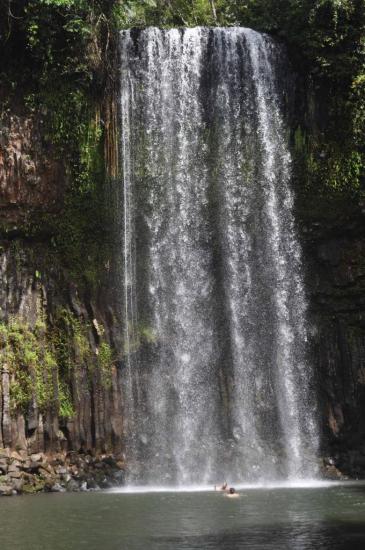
(231, 493)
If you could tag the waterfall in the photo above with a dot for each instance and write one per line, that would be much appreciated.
(216, 378)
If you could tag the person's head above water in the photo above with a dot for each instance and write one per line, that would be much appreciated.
(232, 491)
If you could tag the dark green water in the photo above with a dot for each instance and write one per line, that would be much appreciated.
(324, 518)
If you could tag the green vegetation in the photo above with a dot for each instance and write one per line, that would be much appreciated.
(41, 362)
(105, 363)
(32, 363)
(71, 338)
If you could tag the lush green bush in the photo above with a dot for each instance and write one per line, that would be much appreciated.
(31, 357)
(41, 361)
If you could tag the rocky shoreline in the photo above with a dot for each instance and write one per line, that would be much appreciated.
(21, 473)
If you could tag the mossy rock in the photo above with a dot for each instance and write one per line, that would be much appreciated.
(33, 488)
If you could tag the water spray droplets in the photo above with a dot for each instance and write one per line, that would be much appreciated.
(224, 385)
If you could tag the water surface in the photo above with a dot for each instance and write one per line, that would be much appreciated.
(330, 518)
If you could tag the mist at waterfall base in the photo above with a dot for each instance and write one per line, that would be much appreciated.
(217, 384)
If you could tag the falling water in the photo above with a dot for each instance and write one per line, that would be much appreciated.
(217, 382)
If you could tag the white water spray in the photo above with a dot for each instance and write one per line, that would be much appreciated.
(217, 382)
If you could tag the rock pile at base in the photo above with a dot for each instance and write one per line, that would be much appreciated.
(21, 473)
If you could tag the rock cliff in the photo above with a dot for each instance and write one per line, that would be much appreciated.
(335, 266)
(59, 381)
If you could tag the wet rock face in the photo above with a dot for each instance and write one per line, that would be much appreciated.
(335, 264)
(35, 289)
(31, 179)
(35, 286)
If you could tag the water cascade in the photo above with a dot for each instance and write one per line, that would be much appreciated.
(217, 382)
